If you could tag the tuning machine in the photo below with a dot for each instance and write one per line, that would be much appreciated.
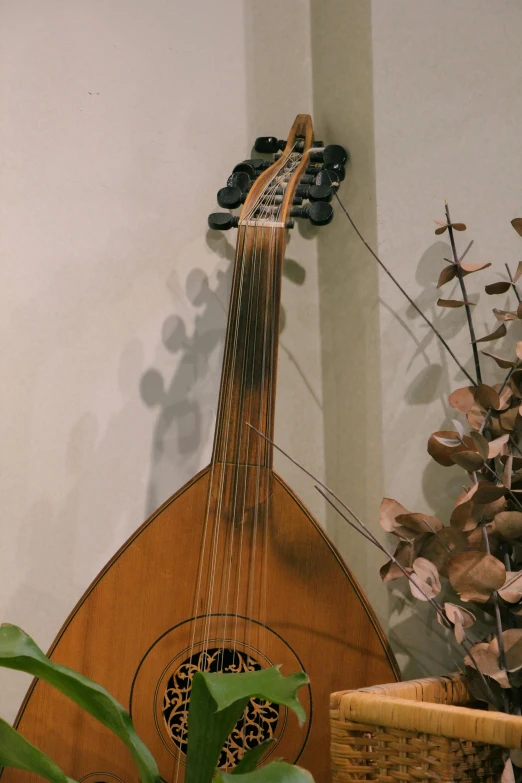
(319, 213)
(233, 197)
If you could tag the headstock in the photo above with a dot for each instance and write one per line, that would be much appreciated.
(271, 190)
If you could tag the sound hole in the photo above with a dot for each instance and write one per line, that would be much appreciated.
(259, 719)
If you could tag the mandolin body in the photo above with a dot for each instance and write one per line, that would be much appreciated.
(132, 631)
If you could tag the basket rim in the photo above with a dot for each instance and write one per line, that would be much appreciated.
(433, 705)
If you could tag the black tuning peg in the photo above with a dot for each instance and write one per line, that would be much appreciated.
(329, 156)
(222, 221)
(334, 153)
(315, 192)
(327, 177)
(338, 168)
(319, 213)
(239, 179)
(247, 168)
(269, 144)
(229, 197)
(258, 164)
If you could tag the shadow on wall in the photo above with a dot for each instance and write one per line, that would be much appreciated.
(187, 400)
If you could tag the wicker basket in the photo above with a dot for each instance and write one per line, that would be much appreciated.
(418, 731)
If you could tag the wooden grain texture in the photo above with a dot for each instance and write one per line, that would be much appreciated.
(232, 566)
(309, 599)
(418, 731)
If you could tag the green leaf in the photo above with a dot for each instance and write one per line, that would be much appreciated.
(251, 757)
(217, 701)
(18, 651)
(267, 684)
(276, 772)
(17, 752)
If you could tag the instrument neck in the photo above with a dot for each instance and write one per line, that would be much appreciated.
(248, 381)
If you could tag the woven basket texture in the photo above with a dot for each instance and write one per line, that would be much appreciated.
(418, 731)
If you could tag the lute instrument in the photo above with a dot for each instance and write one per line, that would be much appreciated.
(232, 573)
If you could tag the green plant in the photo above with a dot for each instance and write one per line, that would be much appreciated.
(217, 702)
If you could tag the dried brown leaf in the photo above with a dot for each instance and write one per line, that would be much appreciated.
(508, 419)
(505, 394)
(390, 510)
(496, 446)
(476, 543)
(469, 460)
(515, 382)
(500, 331)
(440, 548)
(487, 396)
(441, 229)
(497, 288)
(488, 492)
(481, 445)
(462, 399)
(505, 364)
(508, 524)
(518, 272)
(459, 226)
(447, 274)
(466, 514)
(475, 575)
(453, 302)
(461, 619)
(476, 416)
(468, 269)
(419, 523)
(511, 590)
(424, 582)
(504, 315)
(490, 510)
(517, 225)
(512, 639)
(508, 773)
(405, 554)
(440, 452)
(487, 661)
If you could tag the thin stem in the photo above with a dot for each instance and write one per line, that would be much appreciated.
(464, 296)
(401, 289)
(515, 289)
(500, 630)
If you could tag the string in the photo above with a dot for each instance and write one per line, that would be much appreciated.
(264, 400)
(217, 518)
(266, 205)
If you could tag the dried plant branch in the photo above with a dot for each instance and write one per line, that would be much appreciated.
(362, 528)
(408, 297)
(466, 644)
(460, 277)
